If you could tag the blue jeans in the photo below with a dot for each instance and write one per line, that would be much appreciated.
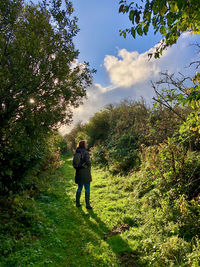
(87, 188)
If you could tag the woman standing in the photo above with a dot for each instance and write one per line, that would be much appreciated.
(82, 164)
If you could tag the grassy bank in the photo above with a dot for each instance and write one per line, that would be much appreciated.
(50, 230)
(131, 225)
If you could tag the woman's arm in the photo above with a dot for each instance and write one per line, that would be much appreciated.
(76, 160)
(87, 159)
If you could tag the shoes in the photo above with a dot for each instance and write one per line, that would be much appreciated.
(87, 200)
(78, 196)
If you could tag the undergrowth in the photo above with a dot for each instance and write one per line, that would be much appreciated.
(137, 220)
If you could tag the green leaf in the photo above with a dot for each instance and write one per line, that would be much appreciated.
(140, 31)
(163, 30)
(168, 16)
(133, 32)
(137, 19)
(9, 172)
(173, 7)
(121, 8)
(156, 55)
(145, 29)
(148, 16)
(131, 16)
(180, 4)
(180, 96)
(163, 10)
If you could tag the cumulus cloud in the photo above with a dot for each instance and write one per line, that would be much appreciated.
(105, 89)
(130, 68)
(94, 102)
(130, 74)
(186, 34)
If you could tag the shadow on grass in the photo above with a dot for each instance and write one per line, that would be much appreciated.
(124, 253)
(62, 235)
(126, 256)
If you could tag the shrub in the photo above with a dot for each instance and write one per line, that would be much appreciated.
(98, 155)
(122, 153)
(173, 167)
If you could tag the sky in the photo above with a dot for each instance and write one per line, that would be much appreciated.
(123, 68)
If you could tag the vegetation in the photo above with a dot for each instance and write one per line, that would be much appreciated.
(117, 133)
(146, 161)
(40, 83)
(170, 18)
(140, 219)
(153, 156)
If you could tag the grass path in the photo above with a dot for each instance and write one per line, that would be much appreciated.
(78, 237)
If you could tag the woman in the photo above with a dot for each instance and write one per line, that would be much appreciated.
(82, 164)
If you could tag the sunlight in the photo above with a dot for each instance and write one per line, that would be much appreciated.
(31, 100)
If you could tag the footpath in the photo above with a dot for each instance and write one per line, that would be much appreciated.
(72, 236)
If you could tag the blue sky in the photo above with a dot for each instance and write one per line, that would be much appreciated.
(123, 69)
(99, 23)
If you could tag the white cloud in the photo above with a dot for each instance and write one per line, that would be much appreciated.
(104, 89)
(94, 102)
(130, 74)
(186, 34)
(130, 68)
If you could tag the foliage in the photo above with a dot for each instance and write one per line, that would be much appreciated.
(147, 211)
(180, 95)
(62, 144)
(98, 127)
(115, 134)
(173, 168)
(168, 192)
(129, 116)
(170, 18)
(192, 123)
(99, 155)
(134, 218)
(71, 138)
(48, 159)
(120, 154)
(40, 82)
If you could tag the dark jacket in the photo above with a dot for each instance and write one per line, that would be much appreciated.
(83, 175)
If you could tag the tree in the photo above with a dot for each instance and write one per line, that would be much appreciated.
(181, 97)
(72, 136)
(169, 17)
(40, 80)
(98, 127)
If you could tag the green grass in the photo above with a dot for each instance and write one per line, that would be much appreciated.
(130, 225)
(61, 234)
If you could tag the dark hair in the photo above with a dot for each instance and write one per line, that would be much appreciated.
(82, 144)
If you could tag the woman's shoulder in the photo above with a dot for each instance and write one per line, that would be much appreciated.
(82, 150)
(86, 152)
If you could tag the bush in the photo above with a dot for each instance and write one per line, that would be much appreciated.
(98, 155)
(119, 155)
(173, 168)
(122, 153)
(22, 168)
